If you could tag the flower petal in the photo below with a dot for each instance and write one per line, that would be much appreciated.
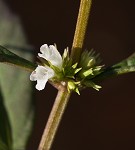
(41, 74)
(51, 54)
(50, 72)
(33, 76)
(41, 84)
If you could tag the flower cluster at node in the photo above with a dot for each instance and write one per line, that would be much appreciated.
(57, 68)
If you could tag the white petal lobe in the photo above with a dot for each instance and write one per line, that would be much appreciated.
(51, 54)
(41, 74)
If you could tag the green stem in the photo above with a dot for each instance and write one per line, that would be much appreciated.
(80, 31)
(54, 119)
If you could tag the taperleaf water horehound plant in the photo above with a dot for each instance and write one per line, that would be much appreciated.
(74, 71)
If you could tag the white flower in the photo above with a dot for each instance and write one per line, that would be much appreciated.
(41, 74)
(51, 54)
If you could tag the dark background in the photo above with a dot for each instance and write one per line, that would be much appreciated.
(102, 120)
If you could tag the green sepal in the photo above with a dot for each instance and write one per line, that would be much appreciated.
(77, 70)
(96, 70)
(10, 58)
(66, 60)
(75, 65)
(92, 84)
(89, 59)
(70, 70)
(73, 86)
(65, 54)
(77, 91)
(58, 72)
(86, 73)
(90, 73)
(55, 68)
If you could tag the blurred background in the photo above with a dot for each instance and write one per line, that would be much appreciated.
(94, 120)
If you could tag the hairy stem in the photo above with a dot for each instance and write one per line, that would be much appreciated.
(54, 119)
(80, 31)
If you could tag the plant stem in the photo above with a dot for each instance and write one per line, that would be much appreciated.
(63, 94)
(54, 119)
(80, 31)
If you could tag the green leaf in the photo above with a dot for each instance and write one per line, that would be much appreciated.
(8, 57)
(125, 66)
(3, 146)
(5, 128)
(17, 93)
(15, 85)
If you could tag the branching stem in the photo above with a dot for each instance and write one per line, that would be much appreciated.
(63, 94)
